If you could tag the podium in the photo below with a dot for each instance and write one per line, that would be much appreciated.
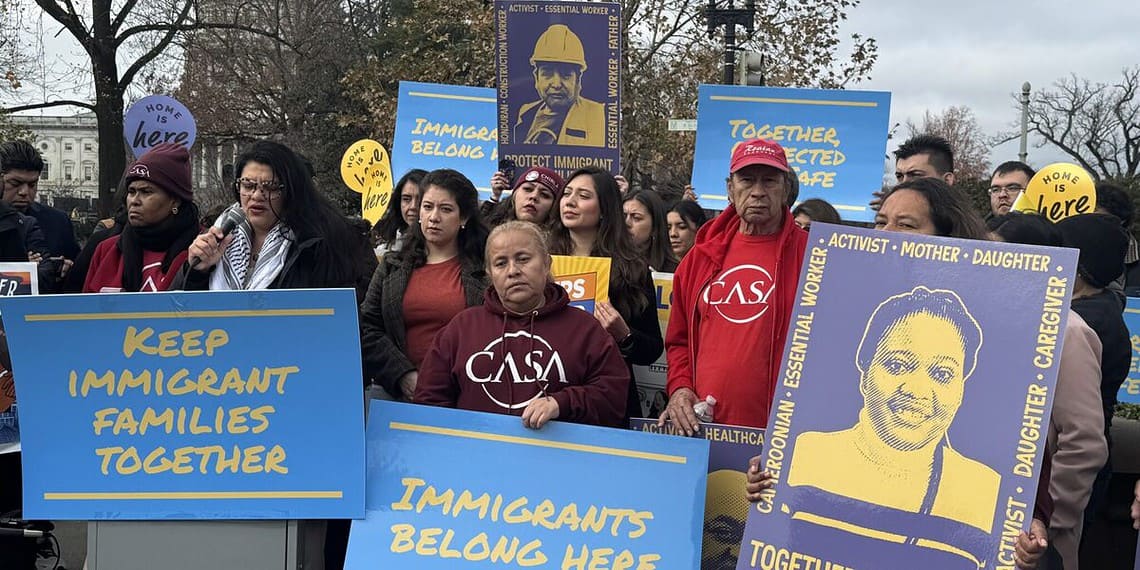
(193, 545)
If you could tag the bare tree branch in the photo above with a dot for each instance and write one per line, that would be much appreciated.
(62, 103)
(176, 28)
(121, 18)
(70, 21)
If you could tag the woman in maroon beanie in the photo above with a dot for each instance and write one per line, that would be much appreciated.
(531, 200)
(162, 222)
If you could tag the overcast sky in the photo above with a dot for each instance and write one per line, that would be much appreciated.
(937, 54)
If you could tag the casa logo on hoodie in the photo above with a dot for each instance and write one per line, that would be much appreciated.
(740, 294)
(515, 358)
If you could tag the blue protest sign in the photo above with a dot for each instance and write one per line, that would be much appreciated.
(447, 485)
(446, 126)
(1130, 389)
(202, 405)
(834, 139)
(909, 422)
(558, 66)
(157, 119)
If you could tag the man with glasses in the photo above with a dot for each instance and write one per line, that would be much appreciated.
(1009, 179)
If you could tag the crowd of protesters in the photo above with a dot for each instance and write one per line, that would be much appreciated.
(455, 289)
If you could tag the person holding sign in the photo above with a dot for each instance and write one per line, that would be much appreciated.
(292, 238)
(590, 225)
(162, 222)
(1103, 244)
(737, 289)
(645, 218)
(417, 290)
(929, 206)
(1076, 444)
(526, 351)
(401, 214)
(532, 200)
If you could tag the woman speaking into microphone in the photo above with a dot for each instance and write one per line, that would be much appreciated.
(292, 238)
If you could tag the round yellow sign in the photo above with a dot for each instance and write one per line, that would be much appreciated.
(1058, 191)
(361, 164)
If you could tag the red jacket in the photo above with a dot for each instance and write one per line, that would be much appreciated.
(105, 274)
(703, 263)
(486, 360)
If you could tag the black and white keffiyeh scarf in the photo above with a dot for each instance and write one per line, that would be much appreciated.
(239, 270)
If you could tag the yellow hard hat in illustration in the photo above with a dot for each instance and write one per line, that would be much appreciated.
(559, 45)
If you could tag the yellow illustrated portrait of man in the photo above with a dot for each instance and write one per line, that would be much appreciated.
(917, 352)
(726, 511)
(561, 115)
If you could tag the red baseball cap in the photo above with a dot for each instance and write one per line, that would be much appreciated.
(759, 151)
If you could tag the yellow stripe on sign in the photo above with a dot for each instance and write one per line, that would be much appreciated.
(179, 315)
(1136, 311)
(712, 197)
(820, 102)
(452, 97)
(433, 430)
(847, 208)
(194, 495)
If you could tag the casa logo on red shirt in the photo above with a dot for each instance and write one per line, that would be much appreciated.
(740, 294)
(535, 361)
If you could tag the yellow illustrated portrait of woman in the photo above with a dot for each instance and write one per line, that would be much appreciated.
(917, 352)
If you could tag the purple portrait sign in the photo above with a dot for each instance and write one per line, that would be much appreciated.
(726, 508)
(911, 411)
(558, 67)
(156, 119)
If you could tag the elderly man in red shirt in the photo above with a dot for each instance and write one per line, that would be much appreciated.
(733, 299)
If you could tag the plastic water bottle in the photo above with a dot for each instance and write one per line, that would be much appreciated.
(704, 410)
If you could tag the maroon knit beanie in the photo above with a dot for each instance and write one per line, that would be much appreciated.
(168, 166)
(544, 176)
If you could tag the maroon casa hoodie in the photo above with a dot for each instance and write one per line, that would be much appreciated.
(488, 359)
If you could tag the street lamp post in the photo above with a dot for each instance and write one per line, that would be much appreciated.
(1024, 154)
(729, 17)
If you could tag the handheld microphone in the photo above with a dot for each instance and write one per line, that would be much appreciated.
(21, 532)
(230, 219)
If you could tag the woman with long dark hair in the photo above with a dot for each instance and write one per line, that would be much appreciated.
(683, 221)
(590, 223)
(533, 198)
(292, 237)
(932, 207)
(402, 212)
(645, 217)
(417, 290)
(161, 222)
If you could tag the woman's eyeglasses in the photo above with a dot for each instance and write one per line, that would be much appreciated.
(270, 188)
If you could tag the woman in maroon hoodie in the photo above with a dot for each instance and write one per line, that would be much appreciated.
(525, 351)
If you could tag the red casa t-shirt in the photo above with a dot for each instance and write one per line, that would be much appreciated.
(736, 326)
